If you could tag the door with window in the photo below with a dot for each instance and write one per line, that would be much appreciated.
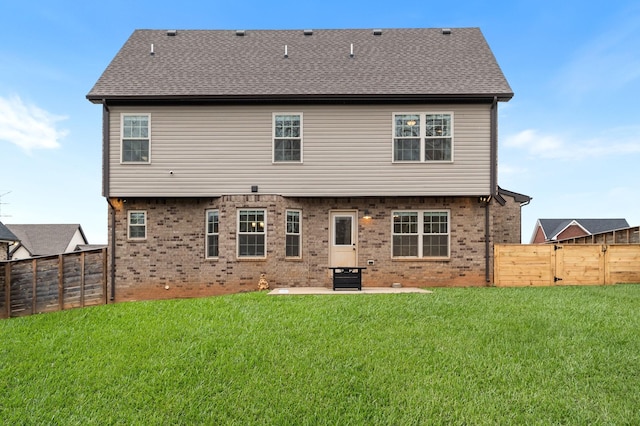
(343, 249)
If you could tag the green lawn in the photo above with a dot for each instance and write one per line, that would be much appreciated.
(565, 355)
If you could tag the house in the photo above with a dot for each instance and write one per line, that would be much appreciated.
(7, 241)
(45, 239)
(231, 154)
(550, 230)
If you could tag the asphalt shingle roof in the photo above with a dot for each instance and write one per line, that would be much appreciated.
(6, 234)
(212, 64)
(552, 227)
(45, 239)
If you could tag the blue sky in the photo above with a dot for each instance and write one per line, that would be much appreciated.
(570, 137)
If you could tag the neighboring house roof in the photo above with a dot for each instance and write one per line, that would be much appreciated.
(554, 227)
(6, 236)
(46, 239)
(421, 64)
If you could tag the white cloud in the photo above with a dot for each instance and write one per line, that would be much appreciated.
(563, 146)
(608, 62)
(28, 126)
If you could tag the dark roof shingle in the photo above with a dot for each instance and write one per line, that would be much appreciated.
(218, 64)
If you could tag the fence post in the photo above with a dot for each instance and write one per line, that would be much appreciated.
(34, 300)
(82, 273)
(104, 275)
(7, 284)
(61, 282)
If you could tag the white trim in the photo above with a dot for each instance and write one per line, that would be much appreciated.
(146, 225)
(264, 211)
(122, 116)
(422, 137)
(207, 234)
(299, 234)
(421, 234)
(273, 137)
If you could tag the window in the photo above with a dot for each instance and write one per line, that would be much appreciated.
(252, 233)
(212, 233)
(137, 225)
(287, 138)
(135, 138)
(293, 234)
(423, 137)
(421, 234)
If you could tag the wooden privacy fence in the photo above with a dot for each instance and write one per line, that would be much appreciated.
(53, 283)
(565, 264)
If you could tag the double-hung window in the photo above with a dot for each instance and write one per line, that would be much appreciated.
(213, 233)
(287, 138)
(252, 234)
(137, 225)
(422, 137)
(136, 142)
(421, 234)
(293, 234)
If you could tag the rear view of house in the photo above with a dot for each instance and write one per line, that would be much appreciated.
(231, 154)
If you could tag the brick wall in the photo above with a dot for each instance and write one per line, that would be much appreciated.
(3, 251)
(171, 261)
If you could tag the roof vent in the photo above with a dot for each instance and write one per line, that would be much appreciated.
(351, 55)
(446, 31)
(308, 32)
(172, 33)
(240, 33)
(377, 32)
(286, 51)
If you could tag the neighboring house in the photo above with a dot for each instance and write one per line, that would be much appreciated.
(45, 239)
(228, 154)
(551, 230)
(7, 241)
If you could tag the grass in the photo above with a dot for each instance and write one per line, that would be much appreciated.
(564, 355)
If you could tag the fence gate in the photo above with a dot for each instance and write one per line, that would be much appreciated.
(565, 264)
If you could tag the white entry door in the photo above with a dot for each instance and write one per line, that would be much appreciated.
(344, 238)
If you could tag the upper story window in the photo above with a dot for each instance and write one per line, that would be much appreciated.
(422, 137)
(136, 142)
(213, 233)
(421, 234)
(137, 225)
(287, 138)
(252, 233)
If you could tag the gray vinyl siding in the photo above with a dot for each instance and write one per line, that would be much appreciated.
(218, 150)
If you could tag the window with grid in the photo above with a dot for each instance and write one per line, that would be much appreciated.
(422, 137)
(421, 234)
(406, 142)
(137, 225)
(252, 233)
(287, 138)
(212, 233)
(293, 234)
(135, 138)
(437, 142)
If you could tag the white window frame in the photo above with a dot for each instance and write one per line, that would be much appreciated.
(129, 224)
(273, 138)
(122, 138)
(298, 234)
(240, 233)
(421, 234)
(423, 136)
(211, 233)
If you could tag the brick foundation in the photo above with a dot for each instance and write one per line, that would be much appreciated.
(171, 262)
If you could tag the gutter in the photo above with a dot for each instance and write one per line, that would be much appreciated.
(106, 115)
(112, 251)
(493, 187)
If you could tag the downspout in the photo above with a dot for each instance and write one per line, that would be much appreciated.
(105, 192)
(493, 182)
